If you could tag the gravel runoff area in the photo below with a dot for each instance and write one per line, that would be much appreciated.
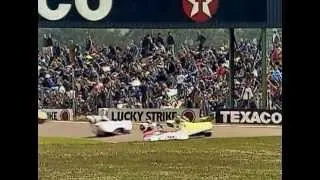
(82, 130)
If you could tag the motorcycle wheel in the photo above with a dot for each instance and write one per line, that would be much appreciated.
(208, 134)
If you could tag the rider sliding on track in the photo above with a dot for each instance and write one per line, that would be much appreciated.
(184, 129)
(150, 129)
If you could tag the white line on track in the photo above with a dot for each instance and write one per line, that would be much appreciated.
(246, 126)
(279, 127)
(71, 122)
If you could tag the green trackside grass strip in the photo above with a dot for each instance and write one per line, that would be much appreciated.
(224, 158)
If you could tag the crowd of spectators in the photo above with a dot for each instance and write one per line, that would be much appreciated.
(154, 73)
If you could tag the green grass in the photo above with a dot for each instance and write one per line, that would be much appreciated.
(225, 158)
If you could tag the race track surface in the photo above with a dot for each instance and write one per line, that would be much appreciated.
(82, 130)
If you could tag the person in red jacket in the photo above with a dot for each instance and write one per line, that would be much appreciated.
(276, 55)
(221, 72)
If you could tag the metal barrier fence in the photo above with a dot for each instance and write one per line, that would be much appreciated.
(55, 99)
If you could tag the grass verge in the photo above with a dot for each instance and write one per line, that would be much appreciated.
(225, 158)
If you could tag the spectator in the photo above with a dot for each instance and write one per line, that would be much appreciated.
(201, 40)
(247, 96)
(275, 37)
(146, 46)
(276, 54)
(277, 74)
(47, 49)
(159, 39)
(49, 41)
(72, 51)
(150, 76)
(89, 43)
(170, 43)
(45, 41)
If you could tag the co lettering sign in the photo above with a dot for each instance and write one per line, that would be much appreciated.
(159, 13)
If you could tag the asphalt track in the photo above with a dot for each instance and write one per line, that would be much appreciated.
(82, 130)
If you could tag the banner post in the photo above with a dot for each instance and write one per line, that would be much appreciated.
(264, 69)
(231, 66)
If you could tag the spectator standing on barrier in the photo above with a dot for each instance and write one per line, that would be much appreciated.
(56, 49)
(170, 43)
(247, 96)
(146, 46)
(50, 45)
(180, 82)
(276, 74)
(201, 40)
(275, 37)
(276, 54)
(72, 51)
(44, 41)
(47, 49)
(160, 39)
(89, 43)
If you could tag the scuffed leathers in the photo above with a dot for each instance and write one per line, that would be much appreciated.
(152, 129)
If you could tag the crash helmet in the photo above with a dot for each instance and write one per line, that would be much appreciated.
(142, 127)
(177, 120)
(158, 125)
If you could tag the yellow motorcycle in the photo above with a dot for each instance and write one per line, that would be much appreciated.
(202, 127)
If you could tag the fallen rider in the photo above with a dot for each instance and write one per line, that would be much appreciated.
(155, 132)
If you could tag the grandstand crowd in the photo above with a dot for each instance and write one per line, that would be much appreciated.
(154, 73)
